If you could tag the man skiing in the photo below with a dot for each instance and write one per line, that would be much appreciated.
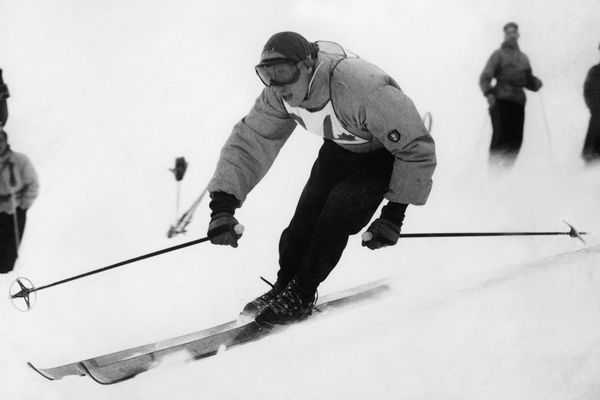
(591, 94)
(375, 146)
(512, 71)
(18, 190)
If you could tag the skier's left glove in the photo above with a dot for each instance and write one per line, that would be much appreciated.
(224, 229)
(385, 230)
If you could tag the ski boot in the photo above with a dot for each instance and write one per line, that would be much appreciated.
(291, 305)
(253, 308)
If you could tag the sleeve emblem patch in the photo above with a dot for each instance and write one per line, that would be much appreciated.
(394, 136)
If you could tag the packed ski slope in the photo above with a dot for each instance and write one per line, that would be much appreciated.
(105, 96)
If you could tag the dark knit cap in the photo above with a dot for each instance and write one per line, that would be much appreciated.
(292, 45)
(510, 25)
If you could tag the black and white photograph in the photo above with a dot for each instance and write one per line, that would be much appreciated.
(331, 199)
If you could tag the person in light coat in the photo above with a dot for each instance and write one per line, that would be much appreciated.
(18, 189)
(375, 147)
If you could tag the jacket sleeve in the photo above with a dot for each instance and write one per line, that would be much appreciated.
(489, 73)
(29, 179)
(392, 118)
(533, 83)
(252, 146)
(591, 88)
(587, 89)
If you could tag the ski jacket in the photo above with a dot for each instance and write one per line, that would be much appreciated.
(18, 182)
(512, 71)
(591, 88)
(365, 101)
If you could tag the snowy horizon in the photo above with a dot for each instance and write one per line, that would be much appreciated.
(105, 95)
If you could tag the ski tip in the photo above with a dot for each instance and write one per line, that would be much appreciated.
(39, 371)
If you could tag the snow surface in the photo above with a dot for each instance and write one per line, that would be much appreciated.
(106, 94)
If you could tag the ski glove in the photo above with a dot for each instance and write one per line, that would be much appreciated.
(385, 230)
(224, 229)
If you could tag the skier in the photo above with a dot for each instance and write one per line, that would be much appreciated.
(512, 71)
(375, 145)
(3, 96)
(18, 190)
(591, 94)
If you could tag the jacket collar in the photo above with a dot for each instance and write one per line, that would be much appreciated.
(319, 91)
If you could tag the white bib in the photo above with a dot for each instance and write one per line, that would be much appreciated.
(325, 123)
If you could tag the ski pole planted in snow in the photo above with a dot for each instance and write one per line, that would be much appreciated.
(186, 218)
(179, 171)
(22, 289)
(574, 233)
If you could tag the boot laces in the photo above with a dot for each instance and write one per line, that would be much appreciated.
(289, 301)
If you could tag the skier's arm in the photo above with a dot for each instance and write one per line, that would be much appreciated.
(393, 119)
(588, 89)
(30, 189)
(489, 73)
(533, 82)
(252, 147)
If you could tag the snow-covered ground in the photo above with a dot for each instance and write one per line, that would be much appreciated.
(106, 94)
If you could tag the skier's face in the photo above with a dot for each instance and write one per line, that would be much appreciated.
(511, 34)
(288, 79)
(295, 93)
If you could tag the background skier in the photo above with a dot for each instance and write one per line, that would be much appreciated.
(375, 146)
(511, 69)
(18, 190)
(591, 94)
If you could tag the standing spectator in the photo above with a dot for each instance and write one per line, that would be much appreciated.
(3, 96)
(18, 190)
(591, 94)
(510, 67)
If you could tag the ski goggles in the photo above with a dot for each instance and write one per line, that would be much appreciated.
(278, 72)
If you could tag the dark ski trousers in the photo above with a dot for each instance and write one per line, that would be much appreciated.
(508, 119)
(8, 242)
(591, 146)
(342, 193)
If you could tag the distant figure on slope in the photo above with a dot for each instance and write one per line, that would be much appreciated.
(375, 146)
(510, 67)
(18, 190)
(3, 96)
(591, 94)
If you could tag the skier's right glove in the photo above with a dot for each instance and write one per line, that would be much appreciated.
(224, 229)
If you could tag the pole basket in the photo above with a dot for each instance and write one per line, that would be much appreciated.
(22, 294)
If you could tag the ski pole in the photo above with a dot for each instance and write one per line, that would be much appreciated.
(25, 290)
(25, 287)
(574, 233)
(547, 126)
